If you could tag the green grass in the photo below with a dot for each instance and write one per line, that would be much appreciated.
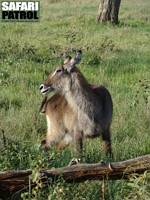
(116, 56)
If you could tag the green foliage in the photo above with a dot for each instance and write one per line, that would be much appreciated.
(139, 187)
(115, 56)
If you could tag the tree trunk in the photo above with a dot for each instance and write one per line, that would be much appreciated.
(115, 11)
(108, 11)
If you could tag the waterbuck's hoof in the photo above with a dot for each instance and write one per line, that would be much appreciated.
(74, 161)
(44, 145)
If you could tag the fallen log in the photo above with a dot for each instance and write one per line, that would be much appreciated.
(14, 181)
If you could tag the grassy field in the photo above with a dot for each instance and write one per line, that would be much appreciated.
(117, 57)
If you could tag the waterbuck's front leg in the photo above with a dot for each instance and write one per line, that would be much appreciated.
(66, 141)
(78, 145)
(78, 142)
(52, 138)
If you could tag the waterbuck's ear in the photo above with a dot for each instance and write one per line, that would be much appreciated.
(74, 61)
(67, 60)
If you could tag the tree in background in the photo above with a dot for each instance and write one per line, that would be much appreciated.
(108, 11)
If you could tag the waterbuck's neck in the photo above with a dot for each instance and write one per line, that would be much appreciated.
(80, 96)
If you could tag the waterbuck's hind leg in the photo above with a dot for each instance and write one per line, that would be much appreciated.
(106, 137)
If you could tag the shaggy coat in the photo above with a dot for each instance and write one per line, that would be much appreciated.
(77, 111)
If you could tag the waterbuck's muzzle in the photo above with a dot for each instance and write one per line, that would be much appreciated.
(45, 89)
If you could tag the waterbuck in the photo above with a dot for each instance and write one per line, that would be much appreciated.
(77, 110)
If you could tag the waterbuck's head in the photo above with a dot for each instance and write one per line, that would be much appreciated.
(61, 79)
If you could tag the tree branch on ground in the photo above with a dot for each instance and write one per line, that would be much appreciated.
(14, 181)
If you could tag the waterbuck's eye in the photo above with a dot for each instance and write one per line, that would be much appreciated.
(59, 70)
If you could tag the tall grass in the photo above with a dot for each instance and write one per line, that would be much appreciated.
(115, 56)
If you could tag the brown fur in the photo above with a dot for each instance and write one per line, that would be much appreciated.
(77, 110)
(60, 121)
